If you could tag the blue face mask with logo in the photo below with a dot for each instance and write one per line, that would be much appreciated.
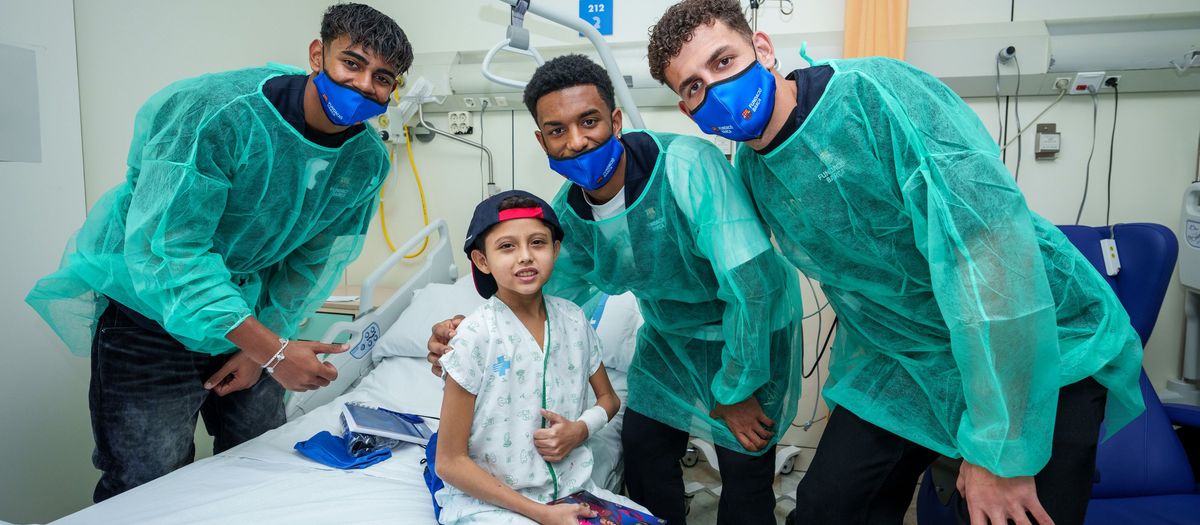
(343, 105)
(591, 169)
(739, 107)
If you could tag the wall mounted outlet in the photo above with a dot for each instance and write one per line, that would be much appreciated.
(1087, 83)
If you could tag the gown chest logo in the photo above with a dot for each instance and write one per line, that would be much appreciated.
(341, 188)
(833, 166)
(655, 222)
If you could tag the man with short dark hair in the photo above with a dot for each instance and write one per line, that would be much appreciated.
(247, 194)
(968, 325)
(665, 217)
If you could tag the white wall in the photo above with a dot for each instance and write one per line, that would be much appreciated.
(45, 441)
(128, 49)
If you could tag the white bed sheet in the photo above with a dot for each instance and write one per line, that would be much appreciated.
(265, 481)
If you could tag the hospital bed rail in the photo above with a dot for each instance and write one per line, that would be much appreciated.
(372, 322)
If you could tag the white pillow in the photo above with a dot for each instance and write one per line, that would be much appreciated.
(618, 329)
(619, 323)
(432, 304)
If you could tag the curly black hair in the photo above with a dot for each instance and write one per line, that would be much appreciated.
(564, 72)
(678, 25)
(375, 31)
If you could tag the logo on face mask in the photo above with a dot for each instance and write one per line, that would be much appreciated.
(607, 170)
(585, 168)
(753, 90)
(756, 100)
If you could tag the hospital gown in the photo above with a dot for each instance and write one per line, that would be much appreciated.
(961, 311)
(227, 211)
(498, 360)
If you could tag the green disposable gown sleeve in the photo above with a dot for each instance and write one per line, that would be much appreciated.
(750, 274)
(972, 224)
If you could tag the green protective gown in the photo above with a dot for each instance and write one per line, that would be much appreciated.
(226, 212)
(722, 307)
(961, 311)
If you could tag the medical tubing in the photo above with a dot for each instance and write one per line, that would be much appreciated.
(824, 346)
(820, 308)
(999, 113)
(1111, 142)
(1017, 112)
(420, 190)
(1035, 120)
(1088, 172)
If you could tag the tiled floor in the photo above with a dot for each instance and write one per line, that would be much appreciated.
(703, 510)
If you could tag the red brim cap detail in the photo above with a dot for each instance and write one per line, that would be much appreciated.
(521, 213)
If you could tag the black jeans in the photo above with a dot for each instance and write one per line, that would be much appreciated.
(145, 392)
(654, 476)
(863, 474)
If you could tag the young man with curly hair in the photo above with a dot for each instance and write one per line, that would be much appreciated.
(969, 326)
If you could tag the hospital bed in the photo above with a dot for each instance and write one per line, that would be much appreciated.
(265, 481)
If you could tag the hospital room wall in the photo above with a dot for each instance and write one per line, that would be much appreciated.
(45, 444)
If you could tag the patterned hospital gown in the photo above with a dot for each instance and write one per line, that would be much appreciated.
(498, 360)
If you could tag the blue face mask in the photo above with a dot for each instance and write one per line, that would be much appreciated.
(344, 106)
(594, 168)
(739, 107)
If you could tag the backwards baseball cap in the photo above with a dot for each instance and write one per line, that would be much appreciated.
(488, 214)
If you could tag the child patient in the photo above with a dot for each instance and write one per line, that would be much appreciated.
(515, 418)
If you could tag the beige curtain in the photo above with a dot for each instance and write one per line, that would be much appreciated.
(876, 28)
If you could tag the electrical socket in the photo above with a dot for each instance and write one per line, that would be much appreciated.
(501, 101)
(1116, 79)
(1086, 83)
(1062, 83)
(469, 102)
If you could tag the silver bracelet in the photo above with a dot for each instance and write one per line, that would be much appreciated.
(277, 358)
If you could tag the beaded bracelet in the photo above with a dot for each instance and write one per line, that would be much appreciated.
(277, 358)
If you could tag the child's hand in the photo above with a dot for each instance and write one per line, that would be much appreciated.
(565, 514)
(563, 435)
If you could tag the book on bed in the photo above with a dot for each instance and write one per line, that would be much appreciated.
(375, 421)
(608, 512)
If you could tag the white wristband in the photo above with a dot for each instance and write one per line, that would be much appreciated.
(595, 418)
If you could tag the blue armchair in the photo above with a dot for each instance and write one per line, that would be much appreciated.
(1142, 473)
